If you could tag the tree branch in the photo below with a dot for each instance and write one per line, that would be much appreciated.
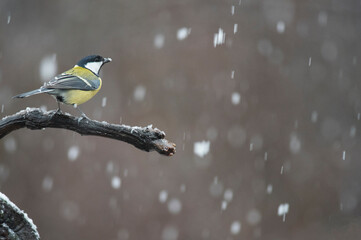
(144, 138)
(14, 223)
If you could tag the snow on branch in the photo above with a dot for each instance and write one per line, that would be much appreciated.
(14, 223)
(144, 138)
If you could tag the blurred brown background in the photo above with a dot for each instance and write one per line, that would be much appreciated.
(278, 102)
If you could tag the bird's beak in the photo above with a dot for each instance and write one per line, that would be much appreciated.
(106, 60)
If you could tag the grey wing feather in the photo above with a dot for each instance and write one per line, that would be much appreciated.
(68, 81)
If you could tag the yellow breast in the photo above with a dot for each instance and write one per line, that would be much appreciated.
(79, 96)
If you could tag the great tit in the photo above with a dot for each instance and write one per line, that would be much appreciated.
(75, 86)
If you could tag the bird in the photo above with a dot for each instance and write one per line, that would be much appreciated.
(75, 86)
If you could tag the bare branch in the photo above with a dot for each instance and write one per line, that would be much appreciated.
(14, 223)
(144, 138)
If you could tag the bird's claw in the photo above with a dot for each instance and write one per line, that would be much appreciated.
(58, 111)
(83, 116)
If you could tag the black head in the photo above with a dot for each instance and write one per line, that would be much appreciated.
(93, 63)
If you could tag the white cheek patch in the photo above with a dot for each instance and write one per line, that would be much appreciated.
(94, 66)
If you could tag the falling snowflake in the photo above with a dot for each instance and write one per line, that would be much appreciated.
(183, 33)
(201, 148)
(73, 153)
(219, 38)
(283, 210)
(236, 227)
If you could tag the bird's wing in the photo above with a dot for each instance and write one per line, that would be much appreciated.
(77, 79)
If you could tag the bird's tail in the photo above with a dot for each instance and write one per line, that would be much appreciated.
(31, 93)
